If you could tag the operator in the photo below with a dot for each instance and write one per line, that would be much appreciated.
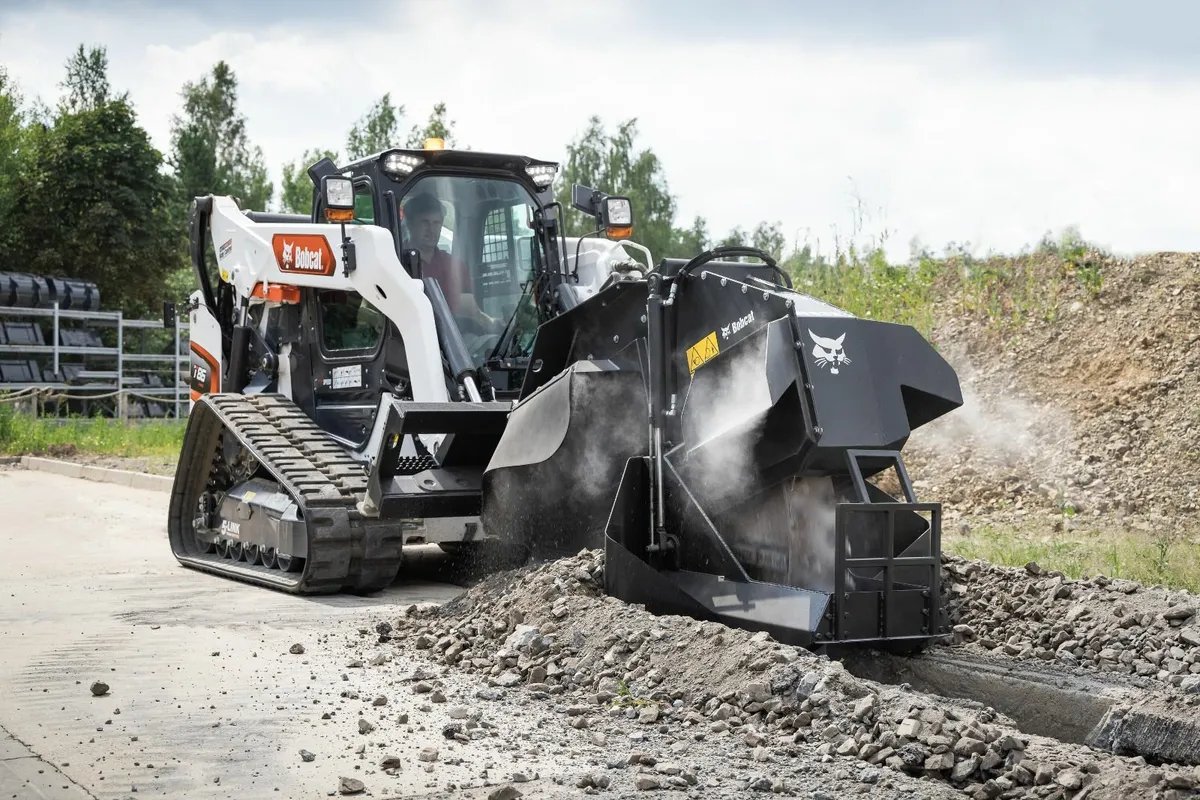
(425, 215)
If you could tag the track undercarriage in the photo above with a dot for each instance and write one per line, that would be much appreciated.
(265, 496)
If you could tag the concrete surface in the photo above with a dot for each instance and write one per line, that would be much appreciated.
(205, 699)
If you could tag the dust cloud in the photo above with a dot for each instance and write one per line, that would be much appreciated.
(785, 534)
(997, 431)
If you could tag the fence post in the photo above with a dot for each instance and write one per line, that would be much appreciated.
(175, 366)
(121, 365)
(56, 338)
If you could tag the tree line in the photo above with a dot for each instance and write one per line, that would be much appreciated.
(84, 193)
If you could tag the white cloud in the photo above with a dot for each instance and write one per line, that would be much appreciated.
(948, 146)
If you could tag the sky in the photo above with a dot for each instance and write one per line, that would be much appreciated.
(948, 121)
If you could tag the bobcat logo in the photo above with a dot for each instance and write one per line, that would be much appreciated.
(287, 254)
(829, 352)
(725, 331)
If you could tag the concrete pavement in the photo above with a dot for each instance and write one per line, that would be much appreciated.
(205, 699)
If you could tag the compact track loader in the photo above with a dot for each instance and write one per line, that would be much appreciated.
(429, 359)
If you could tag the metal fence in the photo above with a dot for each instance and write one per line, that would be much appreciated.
(77, 372)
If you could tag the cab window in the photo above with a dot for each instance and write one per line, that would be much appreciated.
(348, 322)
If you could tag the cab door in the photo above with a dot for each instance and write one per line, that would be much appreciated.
(354, 351)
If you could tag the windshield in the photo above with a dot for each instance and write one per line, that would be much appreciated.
(476, 240)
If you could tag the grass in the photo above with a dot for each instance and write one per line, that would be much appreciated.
(24, 434)
(1115, 552)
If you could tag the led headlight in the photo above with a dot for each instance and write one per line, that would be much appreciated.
(400, 163)
(542, 174)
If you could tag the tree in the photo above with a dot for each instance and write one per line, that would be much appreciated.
(437, 127)
(86, 83)
(610, 164)
(378, 129)
(295, 187)
(91, 201)
(210, 152)
(14, 139)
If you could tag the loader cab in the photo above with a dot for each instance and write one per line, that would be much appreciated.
(493, 242)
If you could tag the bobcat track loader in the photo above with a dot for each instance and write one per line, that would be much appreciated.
(427, 358)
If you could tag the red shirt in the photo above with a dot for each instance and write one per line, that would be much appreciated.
(451, 274)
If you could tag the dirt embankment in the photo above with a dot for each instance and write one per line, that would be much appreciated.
(1090, 402)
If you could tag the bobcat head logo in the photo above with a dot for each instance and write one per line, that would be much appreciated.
(725, 331)
(829, 352)
(287, 254)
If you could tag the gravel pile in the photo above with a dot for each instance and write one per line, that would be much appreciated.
(1100, 624)
(551, 633)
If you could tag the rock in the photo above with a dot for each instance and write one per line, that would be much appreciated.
(296, 649)
(505, 792)
(428, 754)
(99, 688)
(1179, 614)
(758, 692)
(364, 727)
(964, 769)
(457, 712)
(939, 762)
(1069, 779)
(390, 762)
(645, 783)
(350, 786)
(379, 701)
(306, 756)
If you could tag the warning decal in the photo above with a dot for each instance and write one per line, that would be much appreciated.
(702, 351)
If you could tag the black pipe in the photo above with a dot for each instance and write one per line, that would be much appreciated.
(239, 356)
(453, 346)
(658, 363)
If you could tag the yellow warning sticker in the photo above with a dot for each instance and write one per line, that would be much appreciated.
(702, 351)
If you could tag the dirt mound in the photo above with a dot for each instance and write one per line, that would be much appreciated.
(1074, 400)
(549, 631)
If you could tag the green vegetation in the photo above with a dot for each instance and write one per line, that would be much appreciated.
(1169, 559)
(23, 434)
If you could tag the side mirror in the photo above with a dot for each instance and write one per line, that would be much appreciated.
(168, 314)
(411, 259)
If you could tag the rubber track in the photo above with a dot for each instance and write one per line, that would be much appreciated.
(346, 552)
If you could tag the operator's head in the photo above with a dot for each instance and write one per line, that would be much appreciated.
(424, 215)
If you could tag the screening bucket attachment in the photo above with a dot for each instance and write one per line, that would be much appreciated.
(727, 441)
